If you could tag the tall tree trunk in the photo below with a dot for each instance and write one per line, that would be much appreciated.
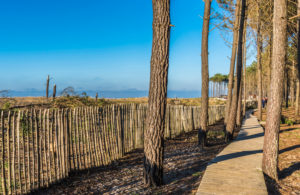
(270, 60)
(286, 89)
(271, 138)
(154, 134)
(239, 108)
(204, 75)
(292, 84)
(232, 60)
(233, 111)
(47, 86)
(259, 66)
(297, 98)
(298, 60)
(244, 71)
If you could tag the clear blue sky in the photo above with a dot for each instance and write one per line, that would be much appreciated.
(100, 44)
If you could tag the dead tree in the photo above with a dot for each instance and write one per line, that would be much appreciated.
(47, 86)
(54, 91)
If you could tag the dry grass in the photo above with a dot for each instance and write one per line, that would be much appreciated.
(289, 153)
(76, 101)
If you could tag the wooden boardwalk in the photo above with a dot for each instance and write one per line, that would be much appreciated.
(237, 169)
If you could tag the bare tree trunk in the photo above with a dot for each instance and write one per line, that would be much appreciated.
(298, 60)
(204, 75)
(233, 111)
(54, 91)
(271, 138)
(239, 109)
(232, 61)
(244, 72)
(270, 60)
(154, 133)
(297, 98)
(47, 86)
(259, 66)
(286, 89)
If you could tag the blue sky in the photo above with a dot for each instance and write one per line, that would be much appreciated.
(100, 44)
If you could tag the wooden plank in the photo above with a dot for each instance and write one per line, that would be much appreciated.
(51, 158)
(38, 144)
(19, 159)
(86, 139)
(99, 133)
(8, 152)
(47, 145)
(24, 125)
(13, 153)
(29, 160)
(44, 151)
(74, 139)
(56, 155)
(60, 113)
(78, 140)
(66, 143)
(91, 138)
(3, 156)
(69, 140)
(35, 154)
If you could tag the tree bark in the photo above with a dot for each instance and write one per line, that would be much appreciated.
(298, 60)
(297, 98)
(271, 138)
(244, 64)
(259, 66)
(204, 75)
(154, 133)
(239, 109)
(232, 61)
(233, 112)
(286, 89)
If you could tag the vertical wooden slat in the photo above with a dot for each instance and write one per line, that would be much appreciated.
(36, 152)
(49, 177)
(83, 143)
(30, 132)
(8, 153)
(66, 143)
(63, 145)
(19, 159)
(56, 154)
(99, 134)
(13, 152)
(44, 151)
(52, 161)
(78, 140)
(24, 147)
(61, 154)
(86, 139)
(92, 137)
(46, 145)
(91, 140)
(69, 140)
(3, 156)
(74, 139)
(39, 148)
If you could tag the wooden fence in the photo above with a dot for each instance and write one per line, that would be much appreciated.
(40, 147)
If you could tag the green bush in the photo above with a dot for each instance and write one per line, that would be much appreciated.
(6, 105)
